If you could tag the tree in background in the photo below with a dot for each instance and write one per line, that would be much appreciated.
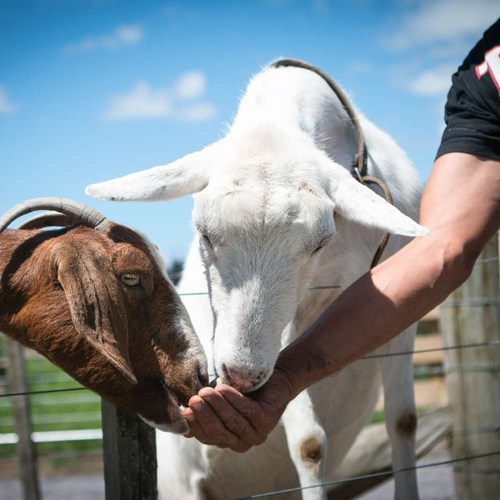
(175, 271)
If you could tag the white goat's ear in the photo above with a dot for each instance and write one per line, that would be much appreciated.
(187, 175)
(358, 203)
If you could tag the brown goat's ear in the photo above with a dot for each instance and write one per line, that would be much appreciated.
(95, 300)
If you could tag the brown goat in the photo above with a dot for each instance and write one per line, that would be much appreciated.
(95, 300)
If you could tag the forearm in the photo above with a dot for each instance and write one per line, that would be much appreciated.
(371, 312)
(402, 289)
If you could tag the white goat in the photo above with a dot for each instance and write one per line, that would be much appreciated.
(276, 210)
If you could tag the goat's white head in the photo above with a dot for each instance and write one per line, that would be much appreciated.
(264, 207)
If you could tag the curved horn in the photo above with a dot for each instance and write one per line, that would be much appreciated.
(81, 213)
(48, 219)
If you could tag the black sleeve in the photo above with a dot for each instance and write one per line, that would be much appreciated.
(472, 111)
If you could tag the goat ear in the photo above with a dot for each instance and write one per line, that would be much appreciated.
(96, 302)
(358, 203)
(187, 175)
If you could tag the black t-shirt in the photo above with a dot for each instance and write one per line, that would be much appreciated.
(472, 111)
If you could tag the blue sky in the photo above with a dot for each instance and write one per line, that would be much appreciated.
(94, 89)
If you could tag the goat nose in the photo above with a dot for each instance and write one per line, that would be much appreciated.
(202, 375)
(243, 379)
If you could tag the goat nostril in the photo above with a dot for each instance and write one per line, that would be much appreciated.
(230, 377)
(241, 379)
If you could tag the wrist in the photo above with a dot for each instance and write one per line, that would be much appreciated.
(294, 371)
(285, 389)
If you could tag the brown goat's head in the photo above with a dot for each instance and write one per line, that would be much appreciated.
(94, 298)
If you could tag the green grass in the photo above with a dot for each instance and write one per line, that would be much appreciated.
(63, 411)
(377, 417)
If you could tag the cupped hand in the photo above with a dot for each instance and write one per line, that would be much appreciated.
(224, 417)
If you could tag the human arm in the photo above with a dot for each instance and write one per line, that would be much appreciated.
(461, 208)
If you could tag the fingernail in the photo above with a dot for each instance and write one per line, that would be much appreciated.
(196, 403)
(205, 392)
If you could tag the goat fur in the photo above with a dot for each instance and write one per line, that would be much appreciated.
(268, 196)
(61, 294)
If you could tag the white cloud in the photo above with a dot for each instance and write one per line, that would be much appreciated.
(143, 101)
(191, 85)
(122, 36)
(129, 34)
(443, 21)
(434, 82)
(433, 37)
(197, 112)
(455, 51)
(6, 105)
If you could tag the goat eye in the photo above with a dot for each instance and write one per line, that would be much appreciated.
(130, 279)
(317, 250)
(207, 241)
(322, 245)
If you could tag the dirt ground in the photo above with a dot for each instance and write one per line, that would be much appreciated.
(435, 483)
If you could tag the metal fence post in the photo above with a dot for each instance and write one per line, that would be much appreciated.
(22, 420)
(129, 449)
(472, 315)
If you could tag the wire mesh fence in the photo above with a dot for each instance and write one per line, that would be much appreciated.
(493, 343)
(459, 463)
(95, 417)
(370, 476)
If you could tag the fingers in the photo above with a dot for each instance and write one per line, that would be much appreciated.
(194, 429)
(244, 405)
(234, 420)
(261, 415)
(224, 417)
(206, 426)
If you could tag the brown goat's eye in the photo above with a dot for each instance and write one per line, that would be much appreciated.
(130, 279)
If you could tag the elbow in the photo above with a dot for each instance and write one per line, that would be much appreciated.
(459, 260)
(463, 267)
